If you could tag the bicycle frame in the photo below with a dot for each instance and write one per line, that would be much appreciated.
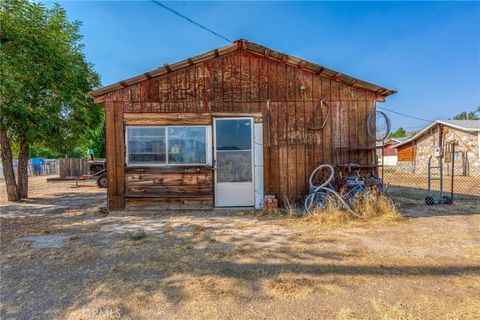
(321, 195)
(352, 193)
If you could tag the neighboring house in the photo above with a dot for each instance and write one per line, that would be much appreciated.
(227, 127)
(389, 156)
(436, 140)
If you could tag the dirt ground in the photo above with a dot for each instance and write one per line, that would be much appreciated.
(62, 258)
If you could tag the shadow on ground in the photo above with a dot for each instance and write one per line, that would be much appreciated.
(199, 259)
(54, 204)
(188, 261)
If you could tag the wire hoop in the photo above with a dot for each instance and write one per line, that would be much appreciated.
(378, 125)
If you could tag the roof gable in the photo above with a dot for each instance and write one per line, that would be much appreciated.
(469, 125)
(255, 49)
(465, 125)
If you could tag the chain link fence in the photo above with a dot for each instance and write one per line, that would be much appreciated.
(410, 181)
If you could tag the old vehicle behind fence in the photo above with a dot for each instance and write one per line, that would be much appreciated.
(83, 169)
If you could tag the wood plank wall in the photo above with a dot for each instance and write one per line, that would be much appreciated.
(242, 82)
(406, 153)
(73, 167)
(169, 188)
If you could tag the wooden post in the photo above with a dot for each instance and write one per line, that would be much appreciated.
(111, 156)
(115, 155)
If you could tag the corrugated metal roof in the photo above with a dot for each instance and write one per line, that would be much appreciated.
(463, 124)
(256, 49)
(401, 139)
(396, 140)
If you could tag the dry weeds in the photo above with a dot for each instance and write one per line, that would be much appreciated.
(137, 235)
(375, 209)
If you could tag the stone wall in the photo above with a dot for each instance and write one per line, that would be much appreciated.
(467, 160)
(405, 166)
(425, 147)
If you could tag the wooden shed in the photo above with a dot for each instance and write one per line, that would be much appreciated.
(226, 127)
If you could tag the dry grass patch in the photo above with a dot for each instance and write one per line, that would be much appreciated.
(389, 311)
(375, 208)
(468, 310)
(426, 308)
(270, 263)
(137, 235)
(287, 287)
(291, 286)
(374, 205)
(214, 287)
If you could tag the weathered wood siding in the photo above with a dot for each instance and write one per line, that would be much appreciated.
(243, 82)
(73, 167)
(169, 188)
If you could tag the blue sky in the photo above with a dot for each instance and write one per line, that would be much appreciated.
(428, 51)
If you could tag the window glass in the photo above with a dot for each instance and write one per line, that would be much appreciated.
(234, 166)
(186, 145)
(234, 134)
(146, 145)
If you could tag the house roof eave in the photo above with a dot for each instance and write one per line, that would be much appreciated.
(254, 48)
(445, 123)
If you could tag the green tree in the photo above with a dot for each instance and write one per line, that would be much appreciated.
(472, 115)
(96, 142)
(44, 81)
(36, 152)
(399, 133)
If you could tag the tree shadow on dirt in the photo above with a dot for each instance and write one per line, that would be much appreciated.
(181, 266)
(414, 210)
(412, 201)
(201, 257)
(55, 204)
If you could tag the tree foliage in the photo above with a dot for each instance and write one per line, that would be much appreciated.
(44, 76)
(399, 133)
(93, 139)
(96, 142)
(44, 79)
(472, 115)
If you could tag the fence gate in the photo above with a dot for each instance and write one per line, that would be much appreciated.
(409, 181)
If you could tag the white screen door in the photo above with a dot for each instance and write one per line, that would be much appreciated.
(233, 154)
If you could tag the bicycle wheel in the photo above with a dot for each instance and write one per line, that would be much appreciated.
(354, 196)
(321, 176)
(315, 201)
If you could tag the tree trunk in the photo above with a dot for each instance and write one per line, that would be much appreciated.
(23, 168)
(8, 172)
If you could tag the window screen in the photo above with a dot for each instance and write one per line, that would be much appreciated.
(186, 145)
